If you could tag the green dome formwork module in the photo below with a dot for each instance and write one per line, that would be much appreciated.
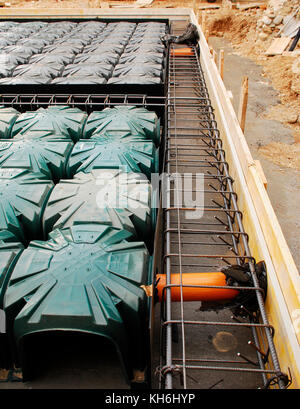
(107, 196)
(85, 278)
(23, 196)
(52, 123)
(47, 158)
(10, 250)
(8, 117)
(138, 121)
(114, 150)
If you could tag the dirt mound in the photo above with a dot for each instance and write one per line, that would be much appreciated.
(282, 154)
(233, 25)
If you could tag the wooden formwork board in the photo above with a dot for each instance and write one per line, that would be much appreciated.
(84, 13)
(278, 46)
(266, 239)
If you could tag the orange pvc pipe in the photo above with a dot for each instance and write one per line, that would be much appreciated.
(178, 52)
(196, 293)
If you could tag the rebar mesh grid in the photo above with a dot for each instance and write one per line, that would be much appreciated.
(191, 355)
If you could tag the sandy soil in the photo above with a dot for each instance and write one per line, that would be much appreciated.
(283, 72)
(51, 3)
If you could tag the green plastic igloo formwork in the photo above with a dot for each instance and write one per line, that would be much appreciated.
(114, 150)
(10, 250)
(85, 278)
(47, 158)
(138, 121)
(8, 117)
(107, 196)
(52, 123)
(23, 196)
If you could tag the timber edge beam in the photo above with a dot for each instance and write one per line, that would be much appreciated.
(85, 13)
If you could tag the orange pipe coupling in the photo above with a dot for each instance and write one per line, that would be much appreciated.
(178, 52)
(191, 293)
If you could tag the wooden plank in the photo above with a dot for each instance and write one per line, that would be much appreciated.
(142, 3)
(243, 103)
(215, 56)
(261, 173)
(290, 29)
(251, 6)
(209, 7)
(287, 20)
(278, 46)
(52, 13)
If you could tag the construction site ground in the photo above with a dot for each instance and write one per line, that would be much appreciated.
(272, 133)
